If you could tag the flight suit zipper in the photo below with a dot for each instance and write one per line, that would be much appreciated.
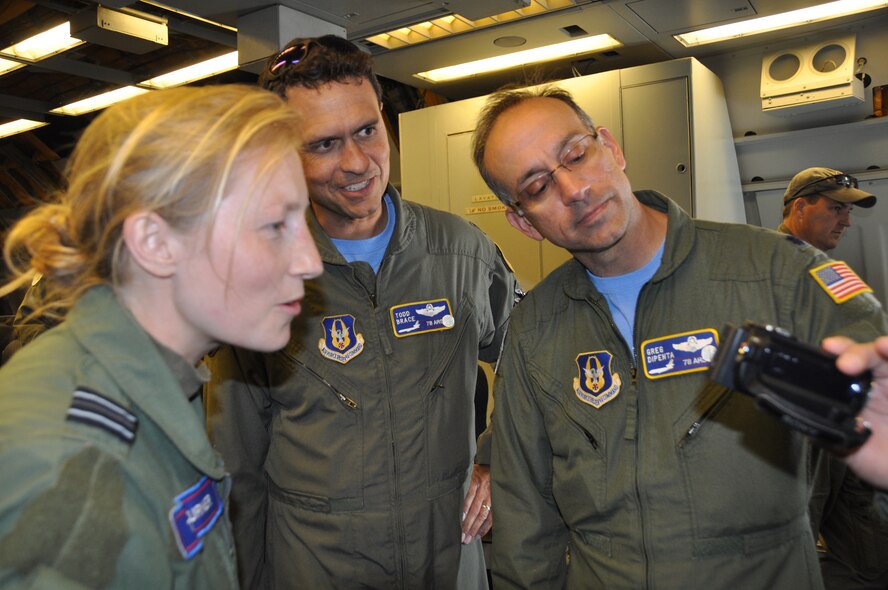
(695, 427)
(343, 399)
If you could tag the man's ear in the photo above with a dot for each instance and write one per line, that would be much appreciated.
(610, 142)
(523, 224)
(151, 243)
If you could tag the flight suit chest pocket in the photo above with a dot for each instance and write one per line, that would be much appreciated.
(733, 455)
(317, 434)
(578, 438)
(451, 357)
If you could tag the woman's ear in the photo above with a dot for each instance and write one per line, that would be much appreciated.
(151, 243)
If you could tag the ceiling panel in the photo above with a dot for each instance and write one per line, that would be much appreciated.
(200, 29)
(689, 14)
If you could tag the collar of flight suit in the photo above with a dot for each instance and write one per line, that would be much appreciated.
(125, 351)
(680, 237)
(405, 230)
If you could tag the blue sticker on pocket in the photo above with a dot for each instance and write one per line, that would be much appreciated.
(422, 317)
(678, 354)
(193, 515)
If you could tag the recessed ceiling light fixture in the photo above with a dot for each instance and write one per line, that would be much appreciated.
(45, 44)
(19, 126)
(528, 56)
(775, 22)
(100, 101)
(7, 65)
(198, 71)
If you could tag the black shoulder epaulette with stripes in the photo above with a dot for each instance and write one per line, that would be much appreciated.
(94, 409)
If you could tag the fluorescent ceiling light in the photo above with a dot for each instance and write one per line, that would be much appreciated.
(94, 103)
(775, 22)
(204, 69)
(19, 126)
(7, 65)
(198, 71)
(45, 44)
(518, 58)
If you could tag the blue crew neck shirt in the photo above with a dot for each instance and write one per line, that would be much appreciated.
(370, 250)
(621, 293)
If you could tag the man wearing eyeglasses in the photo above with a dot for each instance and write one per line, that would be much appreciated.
(352, 449)
(616, 462)
(852, 538)
(817, 206)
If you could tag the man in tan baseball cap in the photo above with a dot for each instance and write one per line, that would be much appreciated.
(817, 206)
(852, 541)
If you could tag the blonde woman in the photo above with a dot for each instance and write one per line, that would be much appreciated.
(182, 227)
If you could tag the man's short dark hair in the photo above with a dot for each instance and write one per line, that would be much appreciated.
(313, 62)
(498, 103)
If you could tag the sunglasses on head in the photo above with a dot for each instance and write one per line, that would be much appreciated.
(845, 180)
(292, 55)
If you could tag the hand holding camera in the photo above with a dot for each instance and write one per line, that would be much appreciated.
(869, 461)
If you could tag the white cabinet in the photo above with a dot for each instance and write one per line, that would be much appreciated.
(671, 119)
(860, 149)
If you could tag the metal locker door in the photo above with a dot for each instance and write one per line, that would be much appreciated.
(657, 140)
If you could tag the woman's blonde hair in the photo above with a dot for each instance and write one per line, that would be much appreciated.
(170, 152)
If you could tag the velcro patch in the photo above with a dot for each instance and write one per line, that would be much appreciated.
(596, 383)
(422, 317)
(341, 343)
(839, 281)
(677, 354)
(94, 409)
(193, 515)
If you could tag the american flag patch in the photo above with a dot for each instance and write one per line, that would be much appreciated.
(839, 281)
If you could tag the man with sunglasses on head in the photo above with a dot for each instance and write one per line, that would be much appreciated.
(617, 462)
(352, 450)
(852, 538)
(817, 206)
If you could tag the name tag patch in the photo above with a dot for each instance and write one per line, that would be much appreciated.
(422, 317)
(193, 515)
(340, 342)
(678, 354)
(596, 383)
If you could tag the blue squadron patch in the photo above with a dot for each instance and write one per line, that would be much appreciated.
(677, 354)
(193, 515)
(597, 384)
(340, 342)
(422, 317)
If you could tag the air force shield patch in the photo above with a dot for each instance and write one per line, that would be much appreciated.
(340, 342)
(597, 384)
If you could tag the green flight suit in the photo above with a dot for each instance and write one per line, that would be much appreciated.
(100, 435)
(648, 474)
(853, 536)
(350, 448)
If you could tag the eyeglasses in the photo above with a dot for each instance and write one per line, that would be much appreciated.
(845, 180)
(536, 189)
(292, 55)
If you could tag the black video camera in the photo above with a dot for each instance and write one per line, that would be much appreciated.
(796, 382)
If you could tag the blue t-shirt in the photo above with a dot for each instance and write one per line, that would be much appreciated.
(621, 293)
(370, 250)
